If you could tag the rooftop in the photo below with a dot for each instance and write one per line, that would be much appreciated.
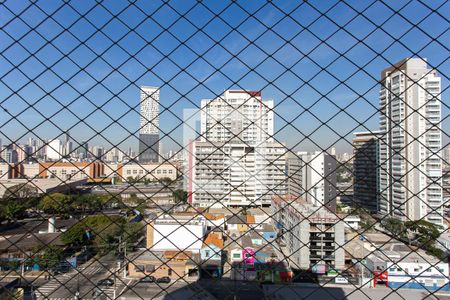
(42, 185)
(27, 242)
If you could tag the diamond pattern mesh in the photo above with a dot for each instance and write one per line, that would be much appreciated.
(224, 149)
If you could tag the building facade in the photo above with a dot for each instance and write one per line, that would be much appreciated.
(312, 176)
(176, 232)
(237, 116)
(54, 150)
(152, 172)
(366, 170)
(313, 236)
(149, 125)
(410, 174)
(236, 162)
(236, 174)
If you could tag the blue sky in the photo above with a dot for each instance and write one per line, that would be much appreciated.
(108, 50)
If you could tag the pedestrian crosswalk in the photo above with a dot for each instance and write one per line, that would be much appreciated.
(46, 291)
(51, 291)
(64, 284)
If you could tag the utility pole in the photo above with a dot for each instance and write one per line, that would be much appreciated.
(125, 260)
(115, 279)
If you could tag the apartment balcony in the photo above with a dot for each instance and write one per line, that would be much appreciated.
(322, 256)
(322, 237)
(319, 247)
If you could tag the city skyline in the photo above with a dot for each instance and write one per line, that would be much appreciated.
(210, 149)
(201, 80)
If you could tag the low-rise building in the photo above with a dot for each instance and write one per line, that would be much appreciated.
(391, 263)
(405, 267)
(177, 265)
(42, 186)
(214, 220)
(211, 256)
(177, 232)
(351, 222)
(152, 172)
(4, 171)
(314, 236)
(237, 223)
(60, 170)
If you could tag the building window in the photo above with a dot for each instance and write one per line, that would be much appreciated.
(139, 268)
(169, 272)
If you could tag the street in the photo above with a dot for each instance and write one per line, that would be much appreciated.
(82, 281)
(178, 290)
(229, 289)
(310, 292)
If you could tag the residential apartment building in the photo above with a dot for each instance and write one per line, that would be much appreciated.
(149, 125)
(312, 176)
(366, 170)
(294, 172)
(236, 162)
(313, 236)
(411, 167)
(237, 116)
(54, 150)
(236, 174)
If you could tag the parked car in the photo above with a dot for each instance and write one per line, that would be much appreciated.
(147, 279)
(106, 282)
(164, 279)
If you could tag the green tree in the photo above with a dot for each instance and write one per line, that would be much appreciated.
(395, 226)
(180, 196)
(166, 181)
(56, 203)
(11, 210)
(104, 232)
(22, 191)
(49, 256)
(422, 231)
(16, 200)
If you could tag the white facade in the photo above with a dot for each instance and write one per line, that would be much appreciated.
(149, 110)
(240, 116)
(236, 161)
(313, 236)
(31, 170)
(54, 149)
(312, 176)
(235, 174)
(410, 176)
(418, 274)
(177, 233)
(4, 171)
(148, 171)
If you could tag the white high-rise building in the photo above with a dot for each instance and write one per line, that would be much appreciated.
(236, 161)
(410, 175)
(312, 176)
(149, 125)
(236, 174)
(54, 149)
(240, 116)
(149, 110)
